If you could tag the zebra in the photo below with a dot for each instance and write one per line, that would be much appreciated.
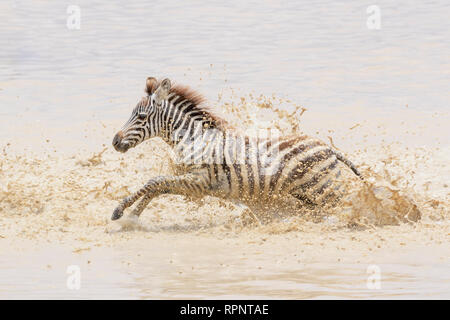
(218, 160)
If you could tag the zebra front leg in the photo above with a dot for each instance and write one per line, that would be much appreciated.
(127, 202)
(142, 204)
(187, 184)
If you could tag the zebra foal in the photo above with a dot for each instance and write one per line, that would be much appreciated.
(217, 160)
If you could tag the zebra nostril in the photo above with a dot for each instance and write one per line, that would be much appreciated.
(116, 140)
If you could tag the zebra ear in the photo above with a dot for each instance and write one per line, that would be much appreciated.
(150, 85)
(166, 85)
(163, 89)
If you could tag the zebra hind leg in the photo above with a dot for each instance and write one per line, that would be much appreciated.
(306, 202)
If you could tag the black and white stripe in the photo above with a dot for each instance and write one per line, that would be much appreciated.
(217, 160)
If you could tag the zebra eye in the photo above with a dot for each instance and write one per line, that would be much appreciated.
(142, 115)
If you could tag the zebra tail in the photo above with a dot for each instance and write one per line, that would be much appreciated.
(350, 164)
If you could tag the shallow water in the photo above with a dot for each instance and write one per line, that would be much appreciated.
(381, 96)
(319, 55)
(194, 267)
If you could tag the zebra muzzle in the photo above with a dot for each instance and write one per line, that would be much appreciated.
(118, 144)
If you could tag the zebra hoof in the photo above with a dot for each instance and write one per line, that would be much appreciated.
(117, 214)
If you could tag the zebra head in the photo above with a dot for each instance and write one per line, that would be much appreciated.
(143, 123)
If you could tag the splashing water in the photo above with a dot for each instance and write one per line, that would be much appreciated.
(68, 199)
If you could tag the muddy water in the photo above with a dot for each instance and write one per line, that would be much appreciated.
(177, 266)
(381, 97)
(55, 212)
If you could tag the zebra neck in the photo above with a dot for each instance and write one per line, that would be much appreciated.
(185, 122)
(193, 129)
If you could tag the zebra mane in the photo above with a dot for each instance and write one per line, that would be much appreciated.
(198, 103)
(189, 94)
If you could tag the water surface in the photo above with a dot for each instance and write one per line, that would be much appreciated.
(67, 91)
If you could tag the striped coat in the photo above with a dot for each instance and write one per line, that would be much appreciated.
(214, 159)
